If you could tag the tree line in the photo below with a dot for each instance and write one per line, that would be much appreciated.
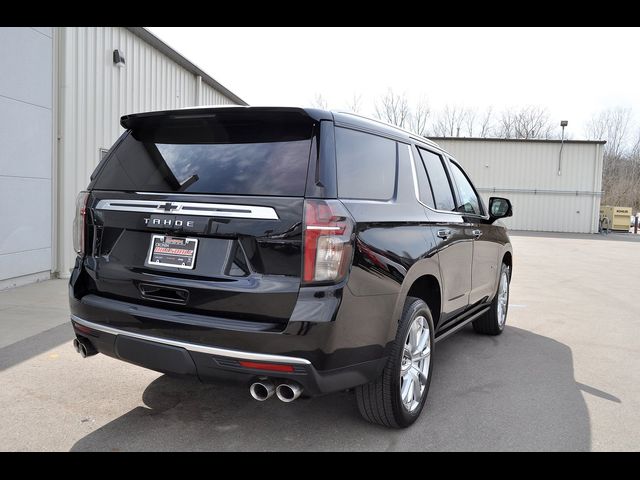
(621, 169)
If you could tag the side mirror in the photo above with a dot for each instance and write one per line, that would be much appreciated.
(499, 208)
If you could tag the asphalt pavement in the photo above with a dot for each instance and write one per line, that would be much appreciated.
(565, 375)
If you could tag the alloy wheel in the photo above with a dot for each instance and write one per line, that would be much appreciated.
(414, 368)
(503, 298)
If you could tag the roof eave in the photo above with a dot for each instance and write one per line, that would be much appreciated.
(533, 140)
(155, 42)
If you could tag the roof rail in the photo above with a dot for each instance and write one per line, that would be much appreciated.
(395, 127)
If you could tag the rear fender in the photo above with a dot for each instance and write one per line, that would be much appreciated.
(426, 266)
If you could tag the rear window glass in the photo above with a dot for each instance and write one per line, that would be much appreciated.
(245, 160)
(366, 165)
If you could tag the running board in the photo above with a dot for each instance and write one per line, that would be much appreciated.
(457, 327)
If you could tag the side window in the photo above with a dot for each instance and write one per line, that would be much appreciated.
(366, 165)
(442, 195)
(469, 202)
(424, 189)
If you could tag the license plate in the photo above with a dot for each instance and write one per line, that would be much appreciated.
(173, 251)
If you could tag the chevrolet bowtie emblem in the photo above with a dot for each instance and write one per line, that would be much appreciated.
(167, 207)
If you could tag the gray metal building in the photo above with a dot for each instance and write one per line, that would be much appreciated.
(549, 193)
(62, 93)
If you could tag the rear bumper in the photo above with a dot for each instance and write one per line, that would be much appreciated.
(215, 363)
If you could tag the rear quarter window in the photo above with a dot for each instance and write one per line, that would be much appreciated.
(367, 165)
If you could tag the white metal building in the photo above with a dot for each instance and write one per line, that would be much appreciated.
(548, 193)
(61, 96)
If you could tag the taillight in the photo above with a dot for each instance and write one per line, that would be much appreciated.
(80, 223)
(327, 241)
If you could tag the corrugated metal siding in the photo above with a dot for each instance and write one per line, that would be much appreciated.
(94, 94)
(547, 212)
(210, 96)
(26, 116)
(533, 166)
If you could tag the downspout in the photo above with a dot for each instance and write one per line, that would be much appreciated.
(57, 236)
(62, 167)
(595, 211)
(560, 158)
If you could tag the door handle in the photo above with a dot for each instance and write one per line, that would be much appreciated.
(444, 233)
(477, 233)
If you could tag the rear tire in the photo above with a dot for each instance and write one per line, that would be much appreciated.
(493, 322)
(390, 400)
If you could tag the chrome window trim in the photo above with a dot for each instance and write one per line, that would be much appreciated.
(454, 163)
(194, 347)
(484, 215)
(417, 192)
(416, 188)
(189, 208)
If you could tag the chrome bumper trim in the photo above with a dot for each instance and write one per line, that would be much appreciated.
(194, 347)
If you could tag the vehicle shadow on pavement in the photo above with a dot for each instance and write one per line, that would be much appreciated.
(512, 392)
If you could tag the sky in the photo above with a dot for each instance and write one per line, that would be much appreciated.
(573, 72)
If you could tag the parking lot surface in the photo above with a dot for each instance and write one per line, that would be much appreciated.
(565, 375)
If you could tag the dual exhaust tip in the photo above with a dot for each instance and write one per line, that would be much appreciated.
(261, 390)
(264, 389)
(84, 348)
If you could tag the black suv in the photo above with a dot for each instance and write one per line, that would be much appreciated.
(300, 250)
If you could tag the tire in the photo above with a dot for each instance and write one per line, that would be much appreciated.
(490, 324)
(381, 401)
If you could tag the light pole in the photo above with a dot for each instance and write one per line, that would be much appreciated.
(563, 123)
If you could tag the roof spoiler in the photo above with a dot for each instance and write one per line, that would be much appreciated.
(136, 120)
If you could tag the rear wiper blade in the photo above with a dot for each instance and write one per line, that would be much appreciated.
(188, 182)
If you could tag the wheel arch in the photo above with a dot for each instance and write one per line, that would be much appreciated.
(427, 288)
(507, 258)
(422, 281)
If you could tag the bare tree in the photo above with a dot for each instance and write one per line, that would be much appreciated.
(419, 117)
(527, 122)
(533, 122)
(635, 150)
(319, 101)
(620, 180)
(506, 124)
(486, 127)
(448, 122)
(611, 125)
(621, 168)
(394, 109)
(355, 103)
(469, 120)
